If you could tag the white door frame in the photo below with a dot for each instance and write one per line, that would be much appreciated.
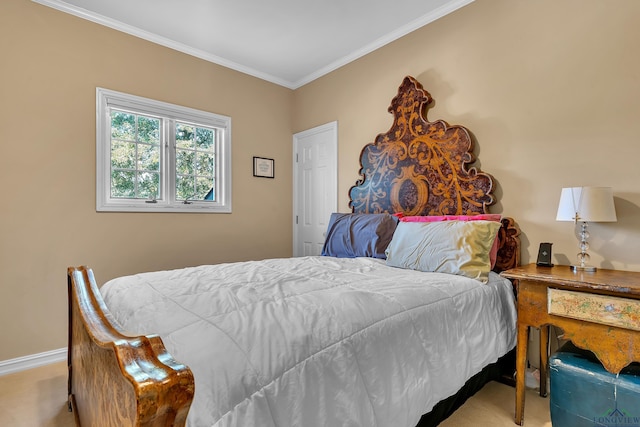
(331, 129)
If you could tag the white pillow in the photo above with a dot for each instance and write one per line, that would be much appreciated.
(455, 247)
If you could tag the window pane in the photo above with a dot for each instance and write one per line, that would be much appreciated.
(204, 139)
(148, 130)
(123, 155)
(204, 185)
(123, 184)
(184, 136)
(211, 195)
(123, 125)
(185, 161)
(204, 165)
(148, 157)
(149, 185)
(184, 187)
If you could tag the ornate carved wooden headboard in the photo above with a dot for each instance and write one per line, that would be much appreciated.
(423, 168)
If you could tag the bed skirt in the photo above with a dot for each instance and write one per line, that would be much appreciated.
(501, 371)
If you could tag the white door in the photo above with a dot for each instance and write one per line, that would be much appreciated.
(315, 186)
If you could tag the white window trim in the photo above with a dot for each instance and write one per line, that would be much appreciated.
(106, 99)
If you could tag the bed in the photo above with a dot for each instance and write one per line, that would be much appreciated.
(379, 330)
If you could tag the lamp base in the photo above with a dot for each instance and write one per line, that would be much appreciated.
(586, 268)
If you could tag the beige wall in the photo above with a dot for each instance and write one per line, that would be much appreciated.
(550, 90)
(51, 65)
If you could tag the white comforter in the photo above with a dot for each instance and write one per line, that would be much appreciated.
(318, 341)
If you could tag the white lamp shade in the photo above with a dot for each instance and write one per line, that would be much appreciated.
(589, 204)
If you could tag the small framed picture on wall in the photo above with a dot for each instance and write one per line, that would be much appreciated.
(263, 168)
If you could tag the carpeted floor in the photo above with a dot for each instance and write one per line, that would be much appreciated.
(37, 398)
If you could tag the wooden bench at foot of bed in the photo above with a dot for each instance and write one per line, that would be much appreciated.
(115, 379)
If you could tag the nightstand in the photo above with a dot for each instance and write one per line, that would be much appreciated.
(598, 311)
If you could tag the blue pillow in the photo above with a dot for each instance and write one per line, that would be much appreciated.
(359, 235)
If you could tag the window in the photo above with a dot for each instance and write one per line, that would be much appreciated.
(158, 157)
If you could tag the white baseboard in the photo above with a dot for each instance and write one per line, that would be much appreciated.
(32, 361)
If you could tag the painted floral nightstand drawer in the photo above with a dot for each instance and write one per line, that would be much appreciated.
(603, 309)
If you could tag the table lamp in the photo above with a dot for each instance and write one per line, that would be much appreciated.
(586, 204)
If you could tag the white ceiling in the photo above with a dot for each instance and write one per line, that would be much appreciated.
(287, 42)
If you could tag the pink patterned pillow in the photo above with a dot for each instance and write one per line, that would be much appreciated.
(493, 254)
(438, 218)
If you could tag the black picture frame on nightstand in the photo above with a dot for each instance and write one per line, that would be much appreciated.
(544, 255)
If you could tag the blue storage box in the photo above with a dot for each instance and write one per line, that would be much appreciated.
(583, 393)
